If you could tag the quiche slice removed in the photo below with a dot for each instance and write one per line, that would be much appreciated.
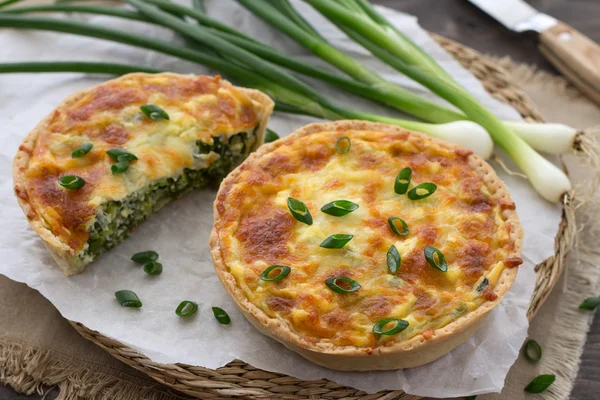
(108, 157)
(363, 246)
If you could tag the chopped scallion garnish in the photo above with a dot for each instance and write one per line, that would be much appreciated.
(122, 158)
(336, 241)
(283, 272)
(342, 145)
(484, 283)
(532, 351)
(186, 308)
(71, 182)
(540, 383)
(379, 327)
(394, 221)
(153, 268)
(118, 154)
(393, 259)
(300, 211)
(417, 193)
(128, 299)
(342, 284)
(82, 150)
(120, 167)
(144, 256)
(154, 112)
(271, 136)
(402, 180)
(430, 254)
(221, 315)
(590, 303)
(339, 208)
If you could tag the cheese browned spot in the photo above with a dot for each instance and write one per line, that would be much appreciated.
(264, 234)
(463, 219)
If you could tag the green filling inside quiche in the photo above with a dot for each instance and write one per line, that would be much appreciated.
(115, 220)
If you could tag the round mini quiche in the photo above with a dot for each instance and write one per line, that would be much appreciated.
(363, 246)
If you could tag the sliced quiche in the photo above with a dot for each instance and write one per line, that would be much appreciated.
(364, 246)
(108, 157)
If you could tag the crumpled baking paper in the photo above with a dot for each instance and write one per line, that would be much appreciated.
(180, 231)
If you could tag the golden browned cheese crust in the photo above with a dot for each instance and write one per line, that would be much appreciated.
(109, 116)
(470, 218)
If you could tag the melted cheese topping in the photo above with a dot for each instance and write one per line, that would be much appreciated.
(109, 116)
(462, 219)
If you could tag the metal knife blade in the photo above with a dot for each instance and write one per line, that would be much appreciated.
(516, 15)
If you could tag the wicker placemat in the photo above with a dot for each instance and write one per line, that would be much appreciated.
(238, 379)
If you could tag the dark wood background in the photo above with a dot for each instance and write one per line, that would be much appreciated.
(459, 20)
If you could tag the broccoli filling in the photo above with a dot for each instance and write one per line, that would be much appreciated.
(117, 219)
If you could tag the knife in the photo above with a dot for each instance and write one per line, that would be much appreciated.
(571, 52)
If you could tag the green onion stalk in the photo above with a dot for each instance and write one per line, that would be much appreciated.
(549, 181)
(567, 139)
(392, 94)
(383, 93)
(307, 102)
(550, 138)
(74, 66)
(7, 3)
(87, 9)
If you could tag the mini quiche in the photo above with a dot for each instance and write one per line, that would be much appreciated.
(108, 157)
(364, 246)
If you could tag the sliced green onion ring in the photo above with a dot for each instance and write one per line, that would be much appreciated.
(413, 194)
(336, 241)
(430, 253)
(120, 167)
(128, 299)
(271, 136)
(339, 208)
(484, 283)
(394, 228)
(342, 145)
(401, 325)
(532, 351)
(144, 256)
(71, 182)
(154, 112)
(393, 259)
(590, 304)
(333, 284)
(221, 315)
(153, 268)
(402, 180)
(299, 211)
(540, 383)
(82, 150)
(118, 154)
(186, 308)
(283, 272)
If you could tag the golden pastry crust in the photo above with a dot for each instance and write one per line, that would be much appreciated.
(470, 217)
(109, 116)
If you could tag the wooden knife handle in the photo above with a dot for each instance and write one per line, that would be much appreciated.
(575, 55)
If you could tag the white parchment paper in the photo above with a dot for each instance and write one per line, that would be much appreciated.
(180, 232)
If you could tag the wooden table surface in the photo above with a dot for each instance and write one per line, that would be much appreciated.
(458, 20)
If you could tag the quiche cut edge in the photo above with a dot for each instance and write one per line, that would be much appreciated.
(413, 352)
